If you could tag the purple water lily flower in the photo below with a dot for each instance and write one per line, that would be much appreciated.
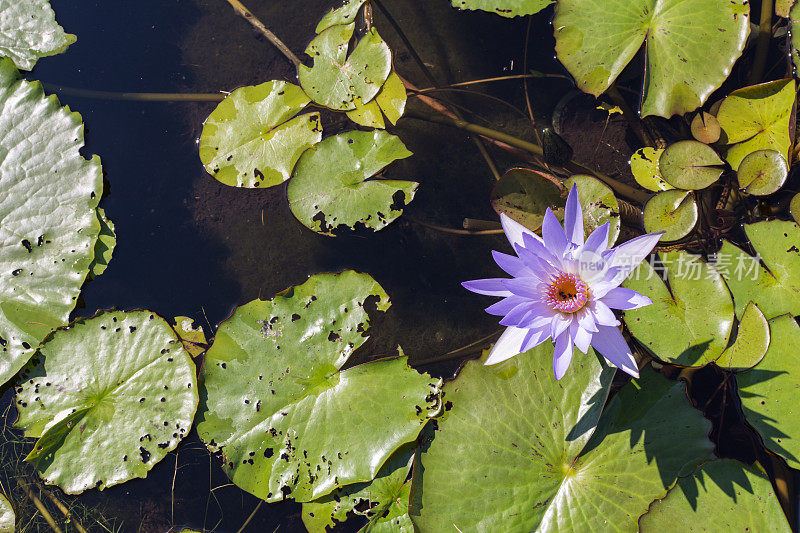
(564, 288)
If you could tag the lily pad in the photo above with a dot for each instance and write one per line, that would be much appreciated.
(794, 34)
(7, 517)
(762, 172)
(690, 165)
(721, 495)
(644, 167)
(794, 208)
(192, 337)
(705, 128)
(674, 212)
(782, 7)
(252, 140)
(50, 229)
(599, 204)
(773, 286)
(689, 322)
(108, 397)
(504, 8)
(752, 341)
(344, 14)
(368, 115)
(524, 195)
(331, 186)
(769, 391)
(757, 118)
(385, 499)
(342, 82)
(104, 247)
(520, 451)
(392, 98)
(290, 423)
(690, 47)
(28, 31)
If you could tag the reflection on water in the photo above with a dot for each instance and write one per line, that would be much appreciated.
(188, 245)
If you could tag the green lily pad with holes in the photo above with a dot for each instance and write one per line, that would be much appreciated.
(690, 47)
(341, 82)
(7, 517)
(385, 499)
(773, 286)
(192, 337)
(794, 34)
(794, 208)
(104, 247)
(757, 118)
(344, 14)
(520, 451)
(253, 138)
(289, 422)
(690, 165)
(769, 391)
(762, 172)
(29, 31)
(108, 397)
(392, 98)
(644, 167)
(722, 495)
(368, 115)
(50, 228)
(504, 8)
(674, 212)
(689, 322)
(524, 195)
(599, 204)
(782, 7)
(334, 185)
(752, 341)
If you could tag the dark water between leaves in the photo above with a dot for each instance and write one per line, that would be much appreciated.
(188, 245)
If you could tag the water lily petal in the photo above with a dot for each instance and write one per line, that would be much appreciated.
(622, 298)
(573, 218)
(597, 242)
(541, 266)
(527, 287)
(559, 324)
(513, 266)
(507, 346)
(562, 355)
(519, 315)
(504, 306)
(603, 315)
(586, 320)
(554, 237)
(489, 287)
(535, 337)
(627, 256)
(611, 345)
(580, 337)
(514, 230)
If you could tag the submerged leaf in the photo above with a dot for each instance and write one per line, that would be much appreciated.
(505, 8)
(28, 31)
(690, 165)
(757, 118)
(722, 495)
(290, 423)
(50, 229)
(524, 195)
(252, 140)
(520, 451)
(331, 186)
(674, 212)
(752, 341)
(690, 47)
(689, 322)
(342, 82)
(108, 397)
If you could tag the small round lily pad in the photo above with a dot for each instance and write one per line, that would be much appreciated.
(751, 342)
(705, 128)
(762, 172)
(690, 165)
(794, 208)
(674, 212)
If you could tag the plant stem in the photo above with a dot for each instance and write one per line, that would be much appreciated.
(142, 97)
(619, 187)
(454, 231)
(271, 37)
(762, 43)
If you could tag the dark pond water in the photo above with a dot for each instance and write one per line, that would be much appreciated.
(188, 245)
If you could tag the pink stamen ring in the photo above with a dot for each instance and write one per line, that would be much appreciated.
(566, 293)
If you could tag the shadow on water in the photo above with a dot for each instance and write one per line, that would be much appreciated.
(188, 245)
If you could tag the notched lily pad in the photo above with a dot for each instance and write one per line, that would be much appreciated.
(524, 195)
(193, 337)
(689, 322)
(342, 82)
(344, 14)
(674, 212)
(690, 47)
(290, 423)
(644, 167)
(104, 247)
(108, 397)
(253, 138)
(333, 187)
(504, 8)
(50, 229)
(392, 98)
(690, 165)
(752, 341)
(705, 128)
(762, 172)
(599, 204)
(29, 31)
(758, 117)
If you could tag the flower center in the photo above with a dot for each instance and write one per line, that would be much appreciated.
(566, 293)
